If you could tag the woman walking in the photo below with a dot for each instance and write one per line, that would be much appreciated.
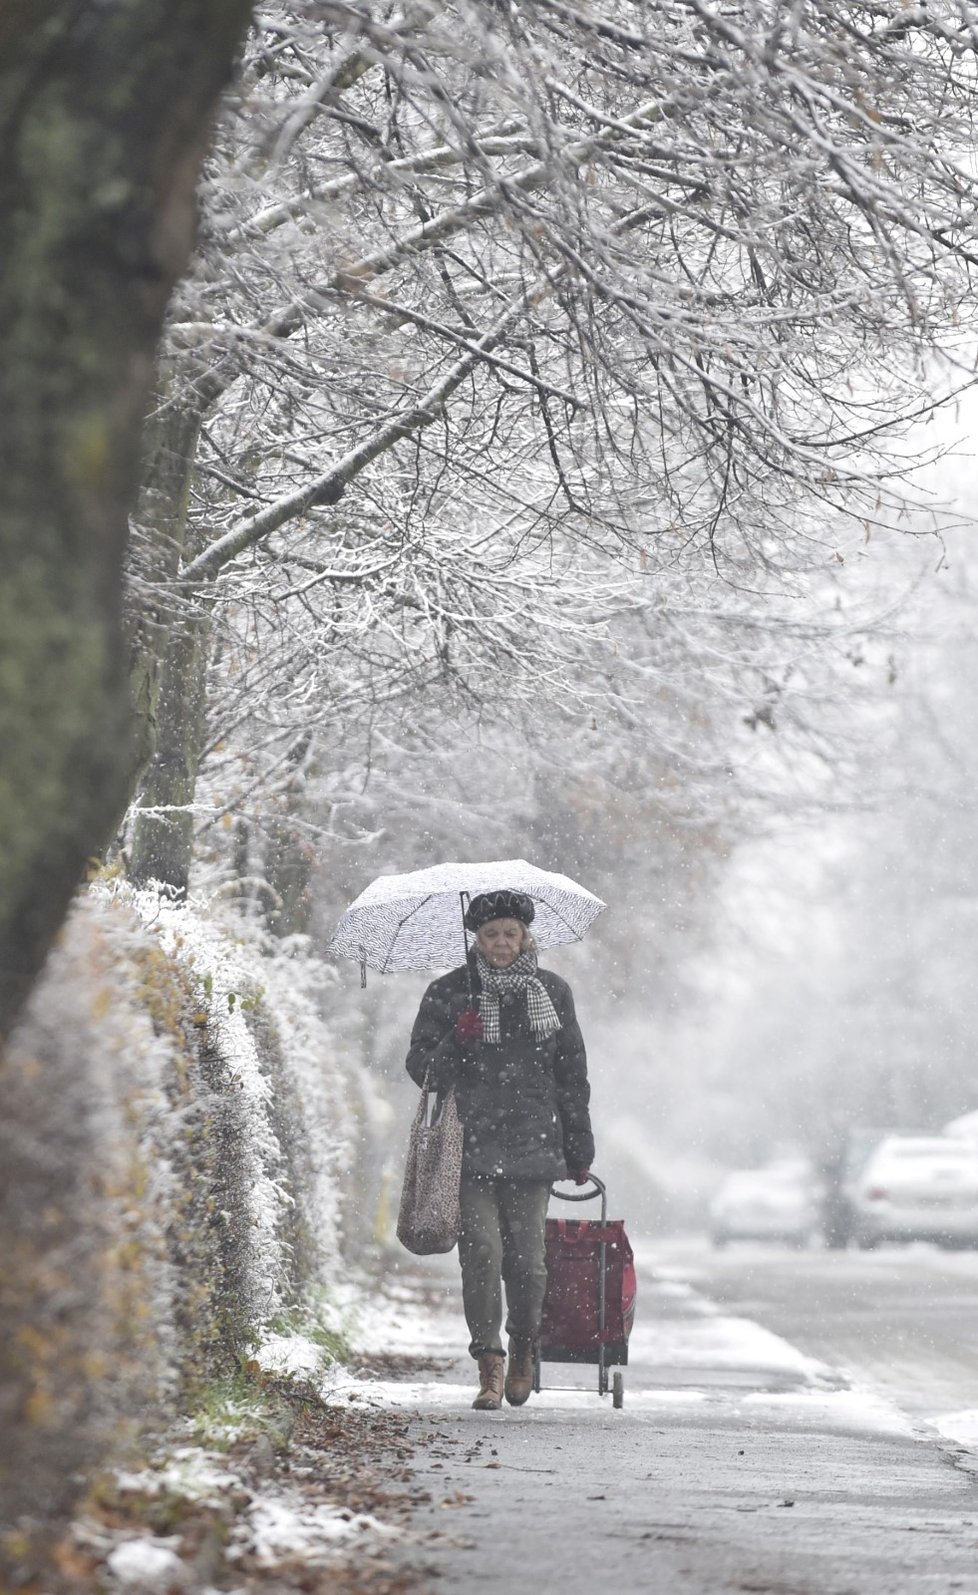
(517, 1062)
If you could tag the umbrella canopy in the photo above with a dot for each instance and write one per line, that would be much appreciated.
(414, 921)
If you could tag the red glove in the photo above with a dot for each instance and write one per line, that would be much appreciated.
(468, 1025)
(579, 1176)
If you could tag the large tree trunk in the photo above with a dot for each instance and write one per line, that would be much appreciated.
(104, 115)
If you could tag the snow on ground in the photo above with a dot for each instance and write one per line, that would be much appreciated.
(414, 1310)
(275, 1526)
(683, 1352)
(718, 1342)
(148, 1565)
(272, 1525)
(189, 1473)
(849, 1409)
(961, 1427)
(285, 1525)
(289, 1356)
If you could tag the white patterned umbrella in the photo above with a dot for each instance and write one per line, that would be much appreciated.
(414, 921)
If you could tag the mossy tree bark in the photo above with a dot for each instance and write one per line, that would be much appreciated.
(163, 834)
(158, 545)
(104, 116)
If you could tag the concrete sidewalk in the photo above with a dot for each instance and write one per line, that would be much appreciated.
(736, 1464)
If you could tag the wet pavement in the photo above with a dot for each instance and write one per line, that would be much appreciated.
(740, 1461)
(903, 1320)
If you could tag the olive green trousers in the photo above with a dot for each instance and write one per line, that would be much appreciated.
(502, 1243)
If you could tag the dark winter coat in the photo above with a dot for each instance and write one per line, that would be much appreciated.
(524, 1103)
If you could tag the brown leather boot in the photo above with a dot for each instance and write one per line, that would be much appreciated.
(519, 1374)
(490, 1397)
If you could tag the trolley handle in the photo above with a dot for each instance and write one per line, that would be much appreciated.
(586, 1196)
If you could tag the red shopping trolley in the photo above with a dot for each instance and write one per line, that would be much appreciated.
(589, 1307)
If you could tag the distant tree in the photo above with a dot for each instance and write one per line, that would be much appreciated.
(650, 280)
(105, 114)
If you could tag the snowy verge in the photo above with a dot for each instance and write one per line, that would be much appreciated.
(960, 1428)
(283, 1525)
(264, 1527)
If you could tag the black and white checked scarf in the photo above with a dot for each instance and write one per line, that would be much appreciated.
(503, 985)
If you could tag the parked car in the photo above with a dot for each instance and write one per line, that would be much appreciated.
(840, 1176)
(965, 1126)
(918, 1188)
(778, 1203)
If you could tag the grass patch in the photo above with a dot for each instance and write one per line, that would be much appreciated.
(303, 1322)
(235, 1408)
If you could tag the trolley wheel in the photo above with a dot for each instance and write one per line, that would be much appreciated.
(618, 1388)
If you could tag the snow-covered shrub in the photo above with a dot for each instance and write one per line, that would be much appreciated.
(176, 1137)
(281, 1105)
(88, 1281)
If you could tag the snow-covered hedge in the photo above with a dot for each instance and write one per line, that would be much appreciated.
(177, 1149)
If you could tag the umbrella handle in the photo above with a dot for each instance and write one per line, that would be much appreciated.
(463, 901)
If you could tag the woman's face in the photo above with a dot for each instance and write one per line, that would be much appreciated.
(501, 941)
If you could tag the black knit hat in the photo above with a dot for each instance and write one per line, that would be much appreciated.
(499, 905)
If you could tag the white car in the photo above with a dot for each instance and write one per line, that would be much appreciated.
(918, 1188)
(768, 1204)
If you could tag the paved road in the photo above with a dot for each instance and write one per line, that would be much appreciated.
(903, 1320)
(759, 1471)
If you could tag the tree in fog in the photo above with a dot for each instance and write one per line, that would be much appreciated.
(481, 284)
(907, 903)
(842, 990)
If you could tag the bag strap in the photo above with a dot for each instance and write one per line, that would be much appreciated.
(427, 1090)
